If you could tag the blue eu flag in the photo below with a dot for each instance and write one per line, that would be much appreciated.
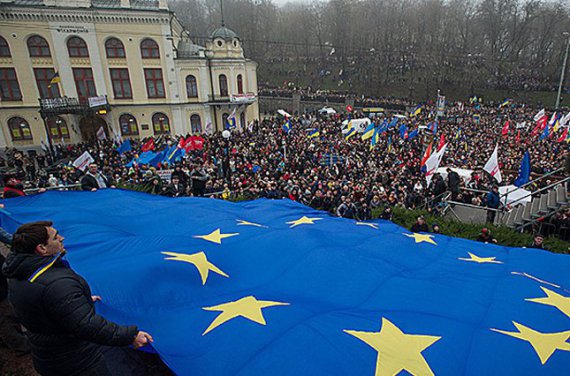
(277, 288)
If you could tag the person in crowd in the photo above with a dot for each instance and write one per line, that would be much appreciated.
(486, 236)
(435, 228)
(347, 209)
(175, 188)
(493, 202)
(538, 241)
(387, 214)
(453, 181)
(199, 178)
(56, 306)
(420, 225)
(94, 180)
(12, 187)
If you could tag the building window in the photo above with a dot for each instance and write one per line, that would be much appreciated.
(149, 49)
(19, 129)
(77, 47)
(160, 123)
(84, 83)
(128, 125)
(38, 47)
(4, 48)
(239, 84)
(154, 84)
(195, 124)
(242, 120)
(57, 128)
(225, 120)
(43, 79)
(191, 87)
(114, 48)
(9, 87)
(121, 83)
(223, 80)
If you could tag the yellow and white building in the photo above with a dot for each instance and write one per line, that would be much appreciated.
(124, 67)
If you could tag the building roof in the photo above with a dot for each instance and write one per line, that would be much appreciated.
(186, 49)
(134, 4)
(224, 33)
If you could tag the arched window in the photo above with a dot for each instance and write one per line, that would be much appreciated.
(242, 120)
(191, 87)
(239, 84)
(4, 48)
(38, 47)
(114, 48)
(57, 128)
(223, 80)
(77, 47)
(128, 125)
(196, 124)
(149, 49)
(225, 119)
(19, 129)
(160, 123)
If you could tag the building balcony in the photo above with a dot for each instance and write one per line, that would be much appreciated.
(67, 105)
(235, 99)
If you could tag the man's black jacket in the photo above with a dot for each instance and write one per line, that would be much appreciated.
(54, 304)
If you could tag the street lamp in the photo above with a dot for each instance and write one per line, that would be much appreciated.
(567, 35)
(226, 134)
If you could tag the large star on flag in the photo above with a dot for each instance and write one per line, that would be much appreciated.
(543, 343)
(248, 307)
(372, 225)
(303, 221)
(419, 238)
(215, 236)
(397, 351)
(554, 299)
(480, 260)
(199, 260)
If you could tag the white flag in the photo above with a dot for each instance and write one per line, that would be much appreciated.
(101, 134)
(83, 161)
(552, 119)
(565, 119)
(433, 162)
(540, 114)
(492, 165)
(209, 129)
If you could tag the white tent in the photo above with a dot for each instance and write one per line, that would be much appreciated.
(327, 110)
(520, 195)
(283, 113)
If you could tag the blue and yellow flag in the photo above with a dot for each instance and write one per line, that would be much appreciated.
(272, 287)
(351, 132)
(417, 110)
(287, 126)
(368, 132)
(504, 103)
(314, 134)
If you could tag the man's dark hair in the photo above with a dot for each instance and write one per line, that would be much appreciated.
(30, 235)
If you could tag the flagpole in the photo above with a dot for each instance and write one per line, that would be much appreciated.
(567, 35)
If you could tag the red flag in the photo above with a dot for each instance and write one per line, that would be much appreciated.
(563, 136)
(426, 154)
(188, 144)
(349, 108)
(542, 122)
(505, 130)
(441, 142)
(198, 142)
(518, 138)
(149, 145)
(181, 143)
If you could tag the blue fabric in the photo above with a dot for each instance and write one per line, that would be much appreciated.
(403, 130)
(124, 147)
(524, 170)
(413, 134)
(335, 275)
(545, 133)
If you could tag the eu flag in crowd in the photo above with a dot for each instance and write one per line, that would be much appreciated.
(124, 147)
(277, 288)
(524, 170)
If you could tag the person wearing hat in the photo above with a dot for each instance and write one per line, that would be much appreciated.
(538, 241)
(435, 229)
(420, 225)
(12, 187)
(486, 236)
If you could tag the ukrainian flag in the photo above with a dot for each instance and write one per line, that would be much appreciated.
(374, 139)
(369, 131)
(351, 132)
(287, 126)
(506, 102)
(314, 134)
(54, 80)
(417, 110)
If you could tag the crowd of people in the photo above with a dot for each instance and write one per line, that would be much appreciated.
(327, 172)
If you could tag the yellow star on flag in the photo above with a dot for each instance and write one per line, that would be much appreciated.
(480, 260)
(397, 351)
(248, 307)
(373, 225)
(241, 222)
(422, 238)
(554, 299)
(199, 260)
(543, 343)
(215, 236)
(303, 221)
